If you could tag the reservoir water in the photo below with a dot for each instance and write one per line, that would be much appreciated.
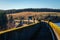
(58, 24)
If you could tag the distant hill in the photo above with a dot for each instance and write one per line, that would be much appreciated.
(31, 10)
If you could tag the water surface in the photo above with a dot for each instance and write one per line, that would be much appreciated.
(58, 24)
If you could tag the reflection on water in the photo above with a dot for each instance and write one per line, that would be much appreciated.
(58, 24)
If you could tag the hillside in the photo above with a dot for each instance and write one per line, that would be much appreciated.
(54, 16)
(26, 14)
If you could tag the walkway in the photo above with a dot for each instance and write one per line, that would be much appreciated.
(39, 31)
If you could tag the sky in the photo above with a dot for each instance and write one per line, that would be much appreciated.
(21, 4)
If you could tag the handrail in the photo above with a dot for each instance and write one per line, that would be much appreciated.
(56, 29)
(5, 31)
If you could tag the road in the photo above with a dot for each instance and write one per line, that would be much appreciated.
(40, 31)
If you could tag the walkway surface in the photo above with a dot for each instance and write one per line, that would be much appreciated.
(40, 31)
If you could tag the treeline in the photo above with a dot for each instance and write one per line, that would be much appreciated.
(30, 10)
(3, 21)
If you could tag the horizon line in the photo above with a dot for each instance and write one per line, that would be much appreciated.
(26, 8)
